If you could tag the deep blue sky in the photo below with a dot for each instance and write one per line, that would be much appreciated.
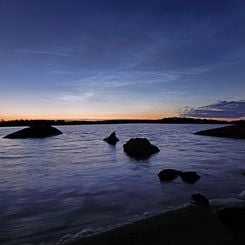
(101, 59)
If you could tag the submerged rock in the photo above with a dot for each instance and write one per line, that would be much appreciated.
(199, 199)
(168, 174)
(140, 148)
(233, 218)
(34, 131)
(232, 131)
(190, 177)
(112, 139)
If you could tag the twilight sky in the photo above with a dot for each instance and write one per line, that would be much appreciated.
(88, 59)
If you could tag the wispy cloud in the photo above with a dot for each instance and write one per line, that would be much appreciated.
(42, 52)
(71, 98)
(221, 109)
(117, 79)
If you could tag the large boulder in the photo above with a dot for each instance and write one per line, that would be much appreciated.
(34, 131)
(190, 177)
(232, 131)
(140, 148)
(168, 174)
(112, 139)
(233, 218)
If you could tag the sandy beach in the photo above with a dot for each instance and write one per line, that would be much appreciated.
(189, 225)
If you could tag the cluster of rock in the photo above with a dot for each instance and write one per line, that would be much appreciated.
(189, 177)
(141, 148)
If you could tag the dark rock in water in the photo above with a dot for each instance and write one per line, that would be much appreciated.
(199, 199)
(233, 218)
(168, 174)
(140, 148)
(190, 177)
(34, 131)
(112, 139)
(232, 131)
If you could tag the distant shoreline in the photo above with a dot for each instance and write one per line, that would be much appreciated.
(172, 120)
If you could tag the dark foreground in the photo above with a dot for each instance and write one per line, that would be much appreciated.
(190, 225)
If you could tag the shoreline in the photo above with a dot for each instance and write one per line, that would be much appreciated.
(172, 120)
(190, 224)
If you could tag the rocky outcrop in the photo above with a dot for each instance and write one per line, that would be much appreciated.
(199, 199)
(190, 177)
(233, 218)
(140, 148)
(112, 139)
(232, 131)
(34, 131)
(168, 174)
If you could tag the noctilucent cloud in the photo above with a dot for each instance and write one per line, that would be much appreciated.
(88, 59)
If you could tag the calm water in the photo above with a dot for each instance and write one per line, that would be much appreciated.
(76, 182)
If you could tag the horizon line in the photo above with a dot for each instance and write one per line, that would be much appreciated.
(117, 119)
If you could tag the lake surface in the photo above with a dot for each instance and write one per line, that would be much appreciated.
(77, 183)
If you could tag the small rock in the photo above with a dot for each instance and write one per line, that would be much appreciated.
(199, 199)
(190, 177)
(140, 148)
(168, 174)
(112, 139)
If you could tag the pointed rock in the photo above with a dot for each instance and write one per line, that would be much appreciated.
(112, 139)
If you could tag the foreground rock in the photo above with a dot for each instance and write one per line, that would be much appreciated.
(34, 131)
(112, 139)
(199, 199)
(190, 177)
(233, 218)
(233, 131)
(140, 148)
(168, 174)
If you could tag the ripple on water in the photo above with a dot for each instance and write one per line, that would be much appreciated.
(77, 184)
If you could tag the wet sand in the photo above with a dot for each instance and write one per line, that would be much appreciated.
(190, 225)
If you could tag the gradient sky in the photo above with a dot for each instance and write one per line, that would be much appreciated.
(77, 59)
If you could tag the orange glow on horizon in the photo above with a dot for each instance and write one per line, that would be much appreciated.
(88, 117)
(114, 116)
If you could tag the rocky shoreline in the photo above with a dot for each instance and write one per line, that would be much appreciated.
(191, 225)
